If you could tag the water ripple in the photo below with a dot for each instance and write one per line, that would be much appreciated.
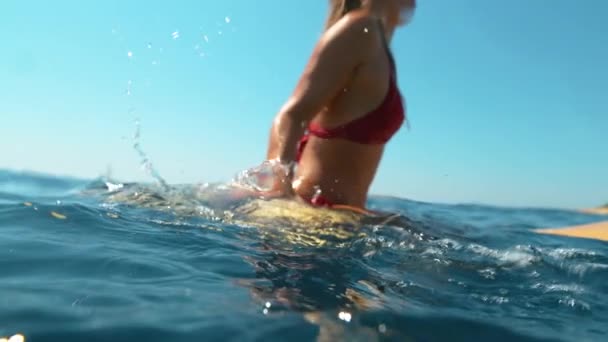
(149, 263)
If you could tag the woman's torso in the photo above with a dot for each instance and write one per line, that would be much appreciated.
(339, 169)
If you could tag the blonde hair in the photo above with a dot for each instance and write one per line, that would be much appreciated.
(339, 8)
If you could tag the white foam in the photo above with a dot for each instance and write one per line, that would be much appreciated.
(582, 268)
(517, 256)
(549, 288)
(569, 253)
(575, 303)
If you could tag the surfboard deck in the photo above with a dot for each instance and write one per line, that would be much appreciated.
(595, 231)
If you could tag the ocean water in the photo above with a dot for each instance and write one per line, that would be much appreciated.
(82, 260)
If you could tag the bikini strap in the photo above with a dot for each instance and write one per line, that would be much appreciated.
(386, 47)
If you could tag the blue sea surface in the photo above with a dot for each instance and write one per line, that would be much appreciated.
(76, 266)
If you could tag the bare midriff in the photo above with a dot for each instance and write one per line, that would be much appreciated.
(339, 170)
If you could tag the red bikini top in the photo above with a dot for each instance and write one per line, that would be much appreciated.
(375, 127)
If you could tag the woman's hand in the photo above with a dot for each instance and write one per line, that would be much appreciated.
(271, 179)
(283, 180)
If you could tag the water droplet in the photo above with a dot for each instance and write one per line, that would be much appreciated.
(149, 45)
(227, 19)
(197, 47)
(268, 305)
(345, 316)
(219, 33)
(265, 311)
(154, 62)
(58, 202)
(206, 38)
(382, 328)
(365, 30)
(130, 54)
(317, 193)
(175, 34)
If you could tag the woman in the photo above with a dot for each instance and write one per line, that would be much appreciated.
(345, 108)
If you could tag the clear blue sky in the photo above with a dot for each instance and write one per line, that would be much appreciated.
(508, 100)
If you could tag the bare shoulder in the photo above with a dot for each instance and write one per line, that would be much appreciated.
(357, 29)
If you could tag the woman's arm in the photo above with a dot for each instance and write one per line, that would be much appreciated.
(336, 56)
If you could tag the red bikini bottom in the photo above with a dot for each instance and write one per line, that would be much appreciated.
(318, 201)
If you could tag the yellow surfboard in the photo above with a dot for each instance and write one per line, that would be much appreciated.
(596, 231)
(596, 211)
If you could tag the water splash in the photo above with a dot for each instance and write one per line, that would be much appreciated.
(145, 162)
(260, 178)
(129, 84)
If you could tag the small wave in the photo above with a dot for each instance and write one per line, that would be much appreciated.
(570, 253)
(576, 304)
(25, 185)
(582, 269)
(518, 256)
(568, 288)
(491, 299)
